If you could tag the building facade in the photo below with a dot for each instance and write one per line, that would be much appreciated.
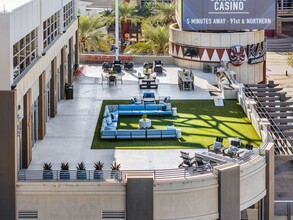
(39, 52)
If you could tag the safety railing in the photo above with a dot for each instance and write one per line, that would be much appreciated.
(25, 175)
(284, 208)
(282, 144)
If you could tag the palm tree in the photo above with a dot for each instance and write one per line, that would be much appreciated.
(89, 35)
(127, 15)
(164, 12)
(156, 41)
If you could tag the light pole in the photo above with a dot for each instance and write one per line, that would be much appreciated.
(116, 30)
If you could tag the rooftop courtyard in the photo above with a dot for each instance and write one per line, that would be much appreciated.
(70, 134)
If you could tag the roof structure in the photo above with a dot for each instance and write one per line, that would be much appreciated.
(10, 5)
(272, 104)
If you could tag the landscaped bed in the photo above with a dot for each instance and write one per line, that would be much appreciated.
(199, 120)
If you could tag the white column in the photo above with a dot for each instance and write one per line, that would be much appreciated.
(116, 30)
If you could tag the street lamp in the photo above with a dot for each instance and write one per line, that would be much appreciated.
(116, 30)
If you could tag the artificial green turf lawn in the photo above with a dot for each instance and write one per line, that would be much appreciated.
(199, 120)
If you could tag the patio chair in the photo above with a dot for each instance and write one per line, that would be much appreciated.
(164, 99)
(117, 66)
(104, 78)
(217, 145)
(135, 100)
(148, 95)
(187, 160)
(233, 150)
(112, 80)
(106, 66)
(248, 147)
(202, 165)
(119, 77)
(157, 66)
(128, 66)
(192, 78)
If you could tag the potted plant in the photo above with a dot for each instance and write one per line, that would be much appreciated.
(81, 172)
(98, 173)
(144, 117)
(115, 167)
(147, 69)
(47, 171)
(111, 72)
(64, 172)
(184, 72)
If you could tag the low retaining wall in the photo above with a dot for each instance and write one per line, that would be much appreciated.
(137, 59)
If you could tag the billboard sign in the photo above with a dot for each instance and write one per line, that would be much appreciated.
(228, 14)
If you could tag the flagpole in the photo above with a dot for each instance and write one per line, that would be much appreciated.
(116, 30)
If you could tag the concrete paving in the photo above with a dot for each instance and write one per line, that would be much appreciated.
(70, 133)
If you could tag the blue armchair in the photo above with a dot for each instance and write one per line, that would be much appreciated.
(149, 95)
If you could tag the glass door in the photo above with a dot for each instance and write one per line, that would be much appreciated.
(58, 84)
(34, 122)
(48, 101)
(19, 143)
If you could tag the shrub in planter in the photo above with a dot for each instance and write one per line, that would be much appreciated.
(81, 172)
(47, 171)
(64, 172)
(115, 170)
(98, 173)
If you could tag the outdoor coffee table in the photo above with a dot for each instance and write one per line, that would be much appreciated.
(143, 124)
(148, 99)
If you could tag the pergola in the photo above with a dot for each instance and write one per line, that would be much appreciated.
(273, 105)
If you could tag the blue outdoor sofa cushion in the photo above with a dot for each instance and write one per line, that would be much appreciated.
(169, 133)
(154, 133)
(108, 134)
(137, 134)
(123, 134)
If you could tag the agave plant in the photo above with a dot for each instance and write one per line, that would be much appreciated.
(64, 166)
(115, 166)
(80, 166)
(47, 166)
(99, 165)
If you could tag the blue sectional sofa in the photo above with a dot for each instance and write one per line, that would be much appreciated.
(142, 133)
(110, 120)
(140, 109)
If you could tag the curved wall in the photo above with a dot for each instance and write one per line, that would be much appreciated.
(195, 197)
(214, 48)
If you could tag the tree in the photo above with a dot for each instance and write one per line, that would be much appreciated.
(127, 15)
(164, 12)
(89, 35)
(156, 41)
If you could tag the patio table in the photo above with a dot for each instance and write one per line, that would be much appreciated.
(186, 80)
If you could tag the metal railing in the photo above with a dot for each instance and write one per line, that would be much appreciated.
(25, 175)
(284, 208)
(183, 173)
(282, 145)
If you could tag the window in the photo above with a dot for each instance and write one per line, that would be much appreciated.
(68, 13)
(51, 29)
(24, 52)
